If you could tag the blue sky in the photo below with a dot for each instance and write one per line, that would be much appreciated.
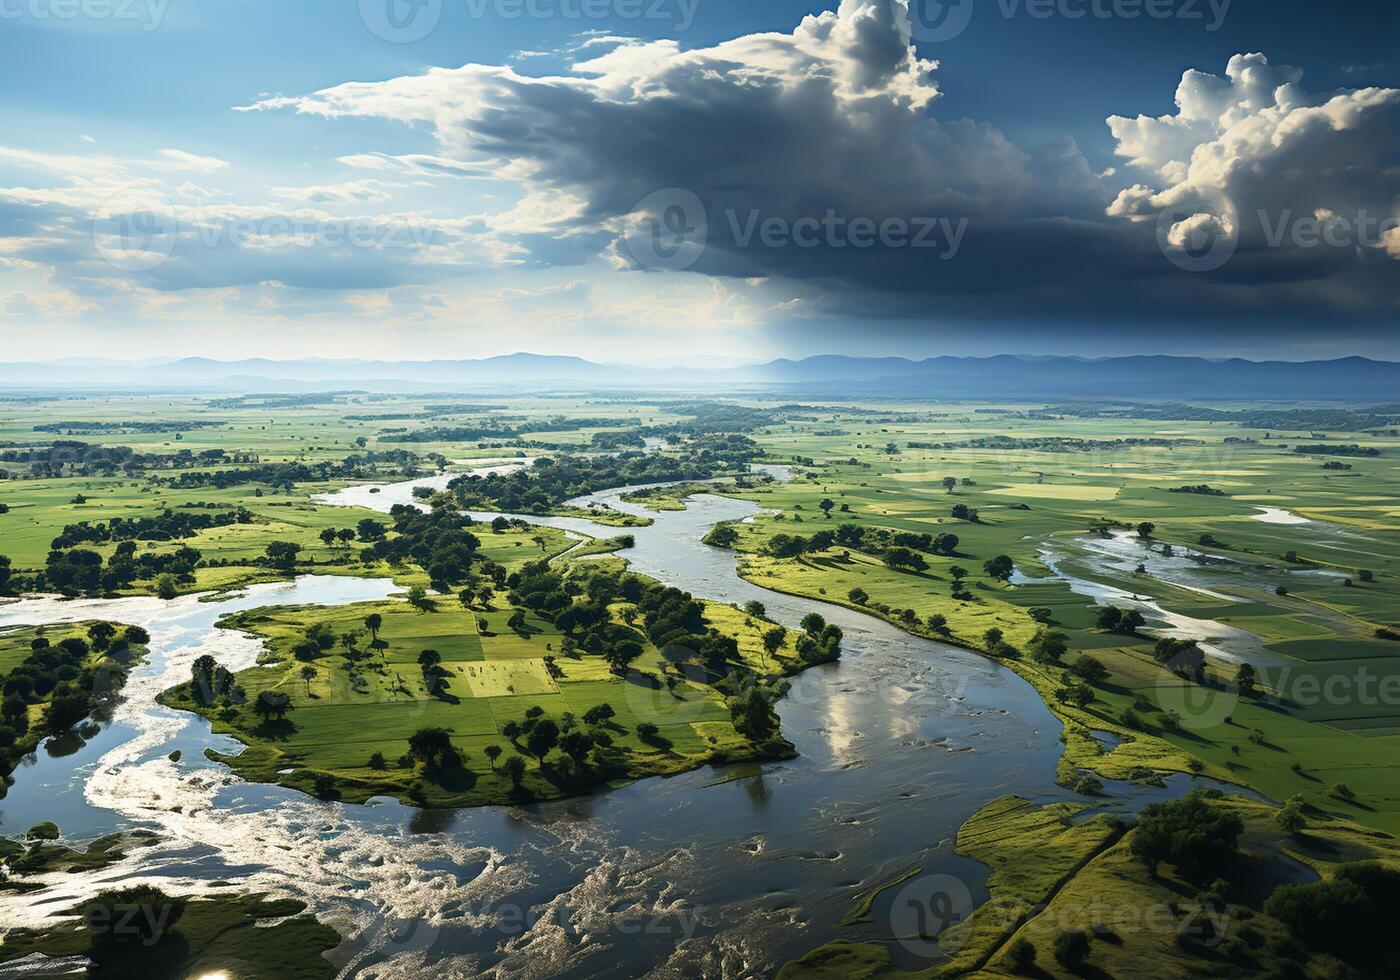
(431, 208)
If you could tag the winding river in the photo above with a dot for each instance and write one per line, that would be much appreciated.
(727, 871)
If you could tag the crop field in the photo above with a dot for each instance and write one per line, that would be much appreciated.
(349, 704)
(1016, 531)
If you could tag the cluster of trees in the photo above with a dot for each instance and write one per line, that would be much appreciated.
(551, 481)
(1203, 489)
(1339, 449)
(74, 458)
(1193, 834)
(170, 525)
(129, 426)
(820, 641)
(1125, 621)
(212, 683)
(287, 475)
(1349, 915)
(511, 427)
(82, 572)
(1057, 444)
(899, 549)
(437, 541)
(67, 679)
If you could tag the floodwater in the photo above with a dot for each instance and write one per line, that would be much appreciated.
(725, 871)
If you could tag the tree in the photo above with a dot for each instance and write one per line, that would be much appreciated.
(859, 596)
(1245, 679)
(599, 714)
(1049, 646)
(345, 535)
(1021, 956)
(512, 730)
(101, 635)
(282, 554)
(493, 752)
(1116, 620)
(271, 705)
(429, 659)
(543, 737)
(308, 674)
(999, 567)
(1071, 947)
(905, 558)
(140, 915)
(949, 482)
(647, 732)
(515, 769)
(755, 609)
(370, 530)
(753, 715)
(1349, 914)
(773, 641)
(374, 622)
(576, 745)
(1290, 818)
(1090, 669)
(465, 597)
(418, 599)
(621, 654)
(993, 637)
(1192, 833)
(826, 504)
(136, 636)
(328, 537)
(1145, 529)
(813, 623)
(937, 622)
(431, 746)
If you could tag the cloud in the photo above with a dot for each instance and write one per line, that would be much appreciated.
(1309, 182)
(350, 192)
(841, 116)
(182, 161)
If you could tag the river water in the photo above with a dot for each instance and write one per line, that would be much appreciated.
(727, 871)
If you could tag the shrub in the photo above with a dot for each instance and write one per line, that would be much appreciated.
(1071, 947)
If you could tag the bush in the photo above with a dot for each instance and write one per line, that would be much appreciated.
(1191, 833)
(1021, 956)
(1071, 947)
(1349, 915)
(141, 914)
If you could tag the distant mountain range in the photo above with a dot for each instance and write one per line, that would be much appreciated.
(1006, 377)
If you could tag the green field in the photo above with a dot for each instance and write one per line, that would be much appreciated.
(371, 700)
(1284, 559)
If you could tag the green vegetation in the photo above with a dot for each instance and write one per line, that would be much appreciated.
(141, 931)
(51, 679)
(982, 526)
(580, 678)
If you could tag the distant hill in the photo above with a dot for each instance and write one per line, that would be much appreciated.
(1005, 377)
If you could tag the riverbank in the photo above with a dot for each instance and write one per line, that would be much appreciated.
(485, 677)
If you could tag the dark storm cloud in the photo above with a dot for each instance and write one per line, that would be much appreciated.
(837, 123)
